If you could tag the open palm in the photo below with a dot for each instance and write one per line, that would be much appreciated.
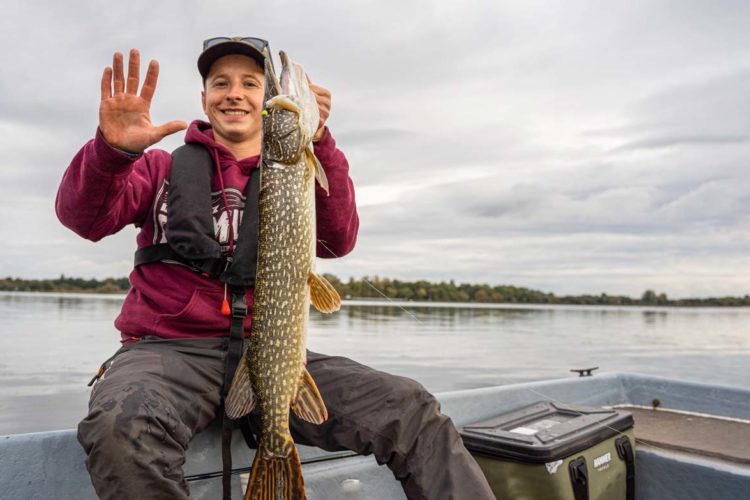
(124, 116)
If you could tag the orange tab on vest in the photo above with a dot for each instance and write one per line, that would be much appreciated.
(225, 310)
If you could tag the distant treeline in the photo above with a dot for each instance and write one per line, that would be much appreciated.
(65, 284)
(379, 288)
(449, 291)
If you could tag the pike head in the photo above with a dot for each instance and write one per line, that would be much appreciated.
(291, 114)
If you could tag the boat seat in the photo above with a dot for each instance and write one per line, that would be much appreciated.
(725, 439)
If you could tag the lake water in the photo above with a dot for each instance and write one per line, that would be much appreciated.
(52, 344)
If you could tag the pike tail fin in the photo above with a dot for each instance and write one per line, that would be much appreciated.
(276, 478)
(323, 296)
(309, 405)
(241, 398)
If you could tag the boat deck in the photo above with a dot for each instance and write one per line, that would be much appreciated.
(51, 465)
(705, 435)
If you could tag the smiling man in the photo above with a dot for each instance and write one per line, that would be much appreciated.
(166, 383)
(232, 100)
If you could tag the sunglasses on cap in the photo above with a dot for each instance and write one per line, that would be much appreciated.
(216, 47)
(257, 43)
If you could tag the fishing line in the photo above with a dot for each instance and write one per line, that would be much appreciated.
(545, 396)
(394, 303)
(617, 432)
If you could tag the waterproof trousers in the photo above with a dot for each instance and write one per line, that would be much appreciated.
(157, 394)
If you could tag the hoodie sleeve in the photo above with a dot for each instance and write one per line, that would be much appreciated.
(337, 219)
(104, 189)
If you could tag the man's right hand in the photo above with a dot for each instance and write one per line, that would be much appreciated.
(124, 117)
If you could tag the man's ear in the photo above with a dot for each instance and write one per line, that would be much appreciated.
(203, 100)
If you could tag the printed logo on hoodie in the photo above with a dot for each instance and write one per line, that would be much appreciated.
(235, 200)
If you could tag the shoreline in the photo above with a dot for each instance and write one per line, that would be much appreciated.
(399, 303)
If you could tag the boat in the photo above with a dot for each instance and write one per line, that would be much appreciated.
(692, 442)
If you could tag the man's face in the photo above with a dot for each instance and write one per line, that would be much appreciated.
(233, 99)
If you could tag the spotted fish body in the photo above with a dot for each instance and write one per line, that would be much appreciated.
(272, 375)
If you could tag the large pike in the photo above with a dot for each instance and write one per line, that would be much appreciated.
(273, 374)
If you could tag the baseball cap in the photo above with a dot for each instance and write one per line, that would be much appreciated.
(217, 47)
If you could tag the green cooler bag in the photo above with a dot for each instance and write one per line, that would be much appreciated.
(551, 451)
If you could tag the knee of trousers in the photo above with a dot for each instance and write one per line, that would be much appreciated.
(417, 422)
(422, 442)
(125, 439)
(413, 397)
(416, 401)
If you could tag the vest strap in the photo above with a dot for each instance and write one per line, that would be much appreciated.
(190, 225)
(242, 272)
(233, 359)
(190, 228)
(161, 252)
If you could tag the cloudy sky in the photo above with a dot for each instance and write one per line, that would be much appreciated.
(572, 147)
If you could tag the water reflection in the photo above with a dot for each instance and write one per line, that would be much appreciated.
(52, 344)
(651, 318)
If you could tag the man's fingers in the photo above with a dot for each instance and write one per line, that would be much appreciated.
(322, 95)
(320, 91)
(166, 129)
(119, 77)
(134, 65)
(107, 83)
(324, 102)
(323, 98)
(149, 84)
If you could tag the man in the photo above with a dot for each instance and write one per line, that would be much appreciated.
(165, 384)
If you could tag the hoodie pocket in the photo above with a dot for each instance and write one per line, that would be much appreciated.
(201, 315)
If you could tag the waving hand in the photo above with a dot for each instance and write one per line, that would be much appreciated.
(124, 116)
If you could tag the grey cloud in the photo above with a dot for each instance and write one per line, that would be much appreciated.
(573, 263)
(715, 109)
(555, 203)
(40, 111)
(666, 142)
(622, 130)
(534, 96)
(354, 138)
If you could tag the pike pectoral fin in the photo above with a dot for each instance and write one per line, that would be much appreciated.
(309, 405)
(323, 296)
(320, 174)
(273, 478)
(241, 399)
(283, 102)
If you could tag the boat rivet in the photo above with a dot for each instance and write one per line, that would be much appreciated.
(351, 488)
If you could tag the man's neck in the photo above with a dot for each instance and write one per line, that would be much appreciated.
(241, 150)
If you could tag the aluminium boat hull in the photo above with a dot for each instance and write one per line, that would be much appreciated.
(51, 464)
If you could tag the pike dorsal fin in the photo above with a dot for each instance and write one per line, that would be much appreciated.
(320, 174)
(323, 296)
(309, 405)
(241, 399)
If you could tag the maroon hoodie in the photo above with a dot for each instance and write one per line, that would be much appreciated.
(103, 190)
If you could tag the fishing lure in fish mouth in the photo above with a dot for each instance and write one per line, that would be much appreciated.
(272, 375)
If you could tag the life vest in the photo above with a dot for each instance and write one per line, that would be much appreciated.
(190, 228)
